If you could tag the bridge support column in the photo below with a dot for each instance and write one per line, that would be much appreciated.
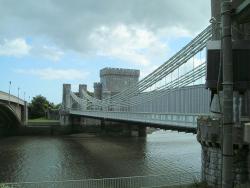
(82, 87)
(77, 123)
(102, 126)
(142, 131)
(209, 135)
(25, 113)
(65, 119)
(66, 96)
(116, 128)
(127, 130)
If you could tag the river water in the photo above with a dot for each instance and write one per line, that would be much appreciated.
(32, 159)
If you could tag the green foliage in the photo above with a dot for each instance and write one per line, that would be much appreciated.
(38, 107)
(4, 186)
(90, 93)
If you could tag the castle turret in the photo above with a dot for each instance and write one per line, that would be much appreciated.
(116, 80)
(98, 90)
(82, 87)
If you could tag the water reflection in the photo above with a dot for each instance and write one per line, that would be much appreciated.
(79, 157)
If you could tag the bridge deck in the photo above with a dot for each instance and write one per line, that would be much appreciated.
(161, 119)
(6, 97)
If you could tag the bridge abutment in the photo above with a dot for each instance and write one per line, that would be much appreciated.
(209, 134)
(142, 131)
(127, 130)
(24, 112)
(115, 128)
(65, 119)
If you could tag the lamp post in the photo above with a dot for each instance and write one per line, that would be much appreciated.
(9, 90)
(18, 94)
(24, 95)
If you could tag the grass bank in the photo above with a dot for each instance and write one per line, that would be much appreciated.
(42, 121)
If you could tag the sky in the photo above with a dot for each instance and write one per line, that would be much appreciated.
(44, 44)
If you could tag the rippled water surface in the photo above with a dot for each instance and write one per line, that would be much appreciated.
(86, 156)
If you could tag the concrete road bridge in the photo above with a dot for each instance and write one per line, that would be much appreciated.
(13, 112)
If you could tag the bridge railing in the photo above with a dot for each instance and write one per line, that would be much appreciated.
(176, 119)
(6, 97)
(121, 182)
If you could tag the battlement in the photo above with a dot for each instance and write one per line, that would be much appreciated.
(97, 85)
(119, 72)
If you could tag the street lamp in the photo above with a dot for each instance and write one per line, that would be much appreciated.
(9, 90)
(18, 94)
(24, 96)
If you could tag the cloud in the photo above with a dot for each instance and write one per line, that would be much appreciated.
(17, 47)
(173, 32)
(68, 24)
(55, 74)
(128, 43)
(49, 52)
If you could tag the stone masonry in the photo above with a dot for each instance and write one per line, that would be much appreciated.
(115, 80)
(209, 135)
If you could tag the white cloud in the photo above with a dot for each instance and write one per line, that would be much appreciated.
(49, 52)
(55, 74)
(68, 24)
(171, 32)
(17, 47)
(132, 44)
(147, 70)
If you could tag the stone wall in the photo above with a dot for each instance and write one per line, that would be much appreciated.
(116, 80)
(98, 90)
(209, 136)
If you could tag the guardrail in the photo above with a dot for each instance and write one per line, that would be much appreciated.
(176, 119)
(6, 97)
(121, 182)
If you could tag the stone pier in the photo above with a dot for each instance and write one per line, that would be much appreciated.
(122, 129)
(142, 131)
(210, 137)
(66, 105)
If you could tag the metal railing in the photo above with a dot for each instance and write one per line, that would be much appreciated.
(6, 97)
(121, 182)
(176, 119)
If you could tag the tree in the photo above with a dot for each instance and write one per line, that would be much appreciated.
(38, 106)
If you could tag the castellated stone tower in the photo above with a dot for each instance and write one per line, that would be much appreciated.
(98, 90)
(115, 80)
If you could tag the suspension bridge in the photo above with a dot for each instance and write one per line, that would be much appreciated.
(171, 97)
